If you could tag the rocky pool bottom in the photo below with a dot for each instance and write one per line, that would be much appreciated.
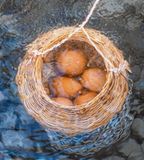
(21, 137)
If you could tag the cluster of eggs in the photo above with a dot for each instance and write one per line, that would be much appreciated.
(78, 83)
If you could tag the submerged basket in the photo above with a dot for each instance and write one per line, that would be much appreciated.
(72, 120)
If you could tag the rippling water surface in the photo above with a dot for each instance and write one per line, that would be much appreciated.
(21, 21)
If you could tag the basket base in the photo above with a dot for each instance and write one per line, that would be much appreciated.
(86, 144)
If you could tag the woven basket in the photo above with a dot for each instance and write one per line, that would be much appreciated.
(72, 120)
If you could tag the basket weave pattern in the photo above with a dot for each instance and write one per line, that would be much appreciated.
(72, 119)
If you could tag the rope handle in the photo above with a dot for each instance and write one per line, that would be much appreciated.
(113, 69)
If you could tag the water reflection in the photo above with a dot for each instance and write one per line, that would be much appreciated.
(20, 22)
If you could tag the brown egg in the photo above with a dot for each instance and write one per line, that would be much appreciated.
(63, 101)
(93, 79)
(71, 62)
(84, 98)
(65, 87)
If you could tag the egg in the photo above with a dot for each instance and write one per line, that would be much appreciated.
(71, 62)
(84, 98)
(65, 86)
(93, 79)
(63, 101)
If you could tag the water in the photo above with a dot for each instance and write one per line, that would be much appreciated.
(20, 23)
